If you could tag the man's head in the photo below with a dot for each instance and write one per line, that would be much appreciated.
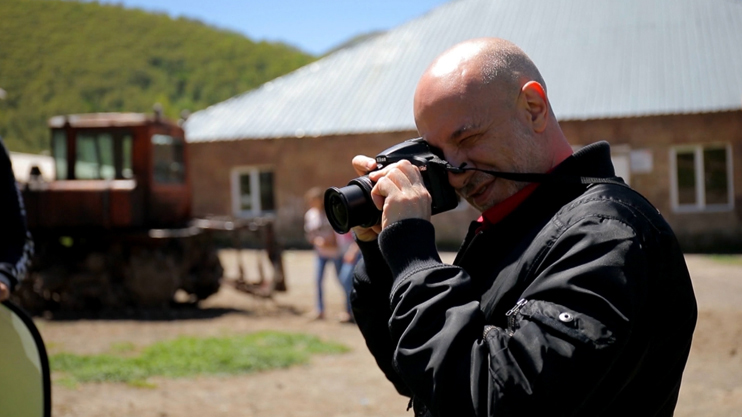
(483, 103)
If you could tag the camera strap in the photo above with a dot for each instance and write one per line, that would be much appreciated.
(540, 177)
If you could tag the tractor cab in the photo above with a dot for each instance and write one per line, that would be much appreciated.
(113, 170)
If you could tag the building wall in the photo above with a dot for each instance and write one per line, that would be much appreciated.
(656, 136)
(301, 163)
(298, 164)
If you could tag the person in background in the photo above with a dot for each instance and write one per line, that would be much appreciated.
(351, 256)
(323, 238)
(16, 244)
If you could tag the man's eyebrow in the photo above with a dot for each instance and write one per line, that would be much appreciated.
(461, 130)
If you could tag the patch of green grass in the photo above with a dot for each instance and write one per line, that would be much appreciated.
(123, 347)
(66, 382)
(727, 259)
(190, 356)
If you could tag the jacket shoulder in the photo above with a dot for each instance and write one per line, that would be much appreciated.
(613, 201)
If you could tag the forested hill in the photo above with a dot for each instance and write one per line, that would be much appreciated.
(62, 57)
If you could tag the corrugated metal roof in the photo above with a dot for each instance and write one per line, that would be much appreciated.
(600, 59)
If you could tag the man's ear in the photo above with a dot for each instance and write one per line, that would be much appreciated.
(536, 105)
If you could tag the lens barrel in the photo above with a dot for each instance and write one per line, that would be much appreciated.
(351, 205)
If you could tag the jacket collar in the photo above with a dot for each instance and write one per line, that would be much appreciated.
(593, 160)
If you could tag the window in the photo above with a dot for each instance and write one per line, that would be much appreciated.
(701, 178)
(59, 149)
(252, 191)
(126, 168)
(94, 157)
(99, 155)
(168, 159)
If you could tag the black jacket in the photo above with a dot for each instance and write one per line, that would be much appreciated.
(16, 245)
(578, 303)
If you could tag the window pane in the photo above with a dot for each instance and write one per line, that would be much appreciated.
(715, 176)
(126, 169)
(86, 165)
(686, 178)
(59, 148)
(104, 143)
(94, 157)
(245, 195)
(168, 159)
(266, 191)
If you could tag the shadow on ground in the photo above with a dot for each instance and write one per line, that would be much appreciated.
(176, 311)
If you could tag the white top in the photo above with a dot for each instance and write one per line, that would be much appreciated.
(319, 232)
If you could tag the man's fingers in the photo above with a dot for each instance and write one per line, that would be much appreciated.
(384, 186)
(4, 292)
(404, 166)
(400, 193)
(394, 178)
(404, 179)
(363, 164)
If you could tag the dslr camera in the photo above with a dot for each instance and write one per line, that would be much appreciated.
(352, 205)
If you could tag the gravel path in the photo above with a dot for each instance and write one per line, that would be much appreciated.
(349, 384)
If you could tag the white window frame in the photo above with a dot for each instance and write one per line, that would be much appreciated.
(621, 160)
(254, 172)
(700, 205)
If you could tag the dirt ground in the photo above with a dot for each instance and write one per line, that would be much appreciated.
(349, 384)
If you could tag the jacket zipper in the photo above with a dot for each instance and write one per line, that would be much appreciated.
(511, 315)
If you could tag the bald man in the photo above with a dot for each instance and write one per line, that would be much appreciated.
(569, 296)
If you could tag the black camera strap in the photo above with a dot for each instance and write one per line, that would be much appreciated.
(539, 177)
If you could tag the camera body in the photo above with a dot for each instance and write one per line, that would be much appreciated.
(352, 205)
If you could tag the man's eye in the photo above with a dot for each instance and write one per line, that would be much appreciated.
(467, 140)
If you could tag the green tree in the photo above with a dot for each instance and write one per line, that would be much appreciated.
(64, 57)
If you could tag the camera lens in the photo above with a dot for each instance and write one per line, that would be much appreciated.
(339, 209)
(351, 205)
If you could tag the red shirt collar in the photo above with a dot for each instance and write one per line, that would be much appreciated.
(498, 212)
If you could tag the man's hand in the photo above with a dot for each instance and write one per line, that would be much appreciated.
(399, 192)
(363, 165)
(4, 292)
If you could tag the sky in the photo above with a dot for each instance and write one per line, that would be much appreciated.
(314, 26)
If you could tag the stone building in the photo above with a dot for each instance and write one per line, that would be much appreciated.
(660, 80)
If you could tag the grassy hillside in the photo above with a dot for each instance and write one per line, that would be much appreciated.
(60, 57)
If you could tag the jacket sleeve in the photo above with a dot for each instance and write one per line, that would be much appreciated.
(16, 245)
(557, 345)
(372, 282)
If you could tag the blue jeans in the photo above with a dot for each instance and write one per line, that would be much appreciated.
(346, 280)
(321, 262)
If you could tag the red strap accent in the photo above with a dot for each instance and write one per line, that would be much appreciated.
(497, 212)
